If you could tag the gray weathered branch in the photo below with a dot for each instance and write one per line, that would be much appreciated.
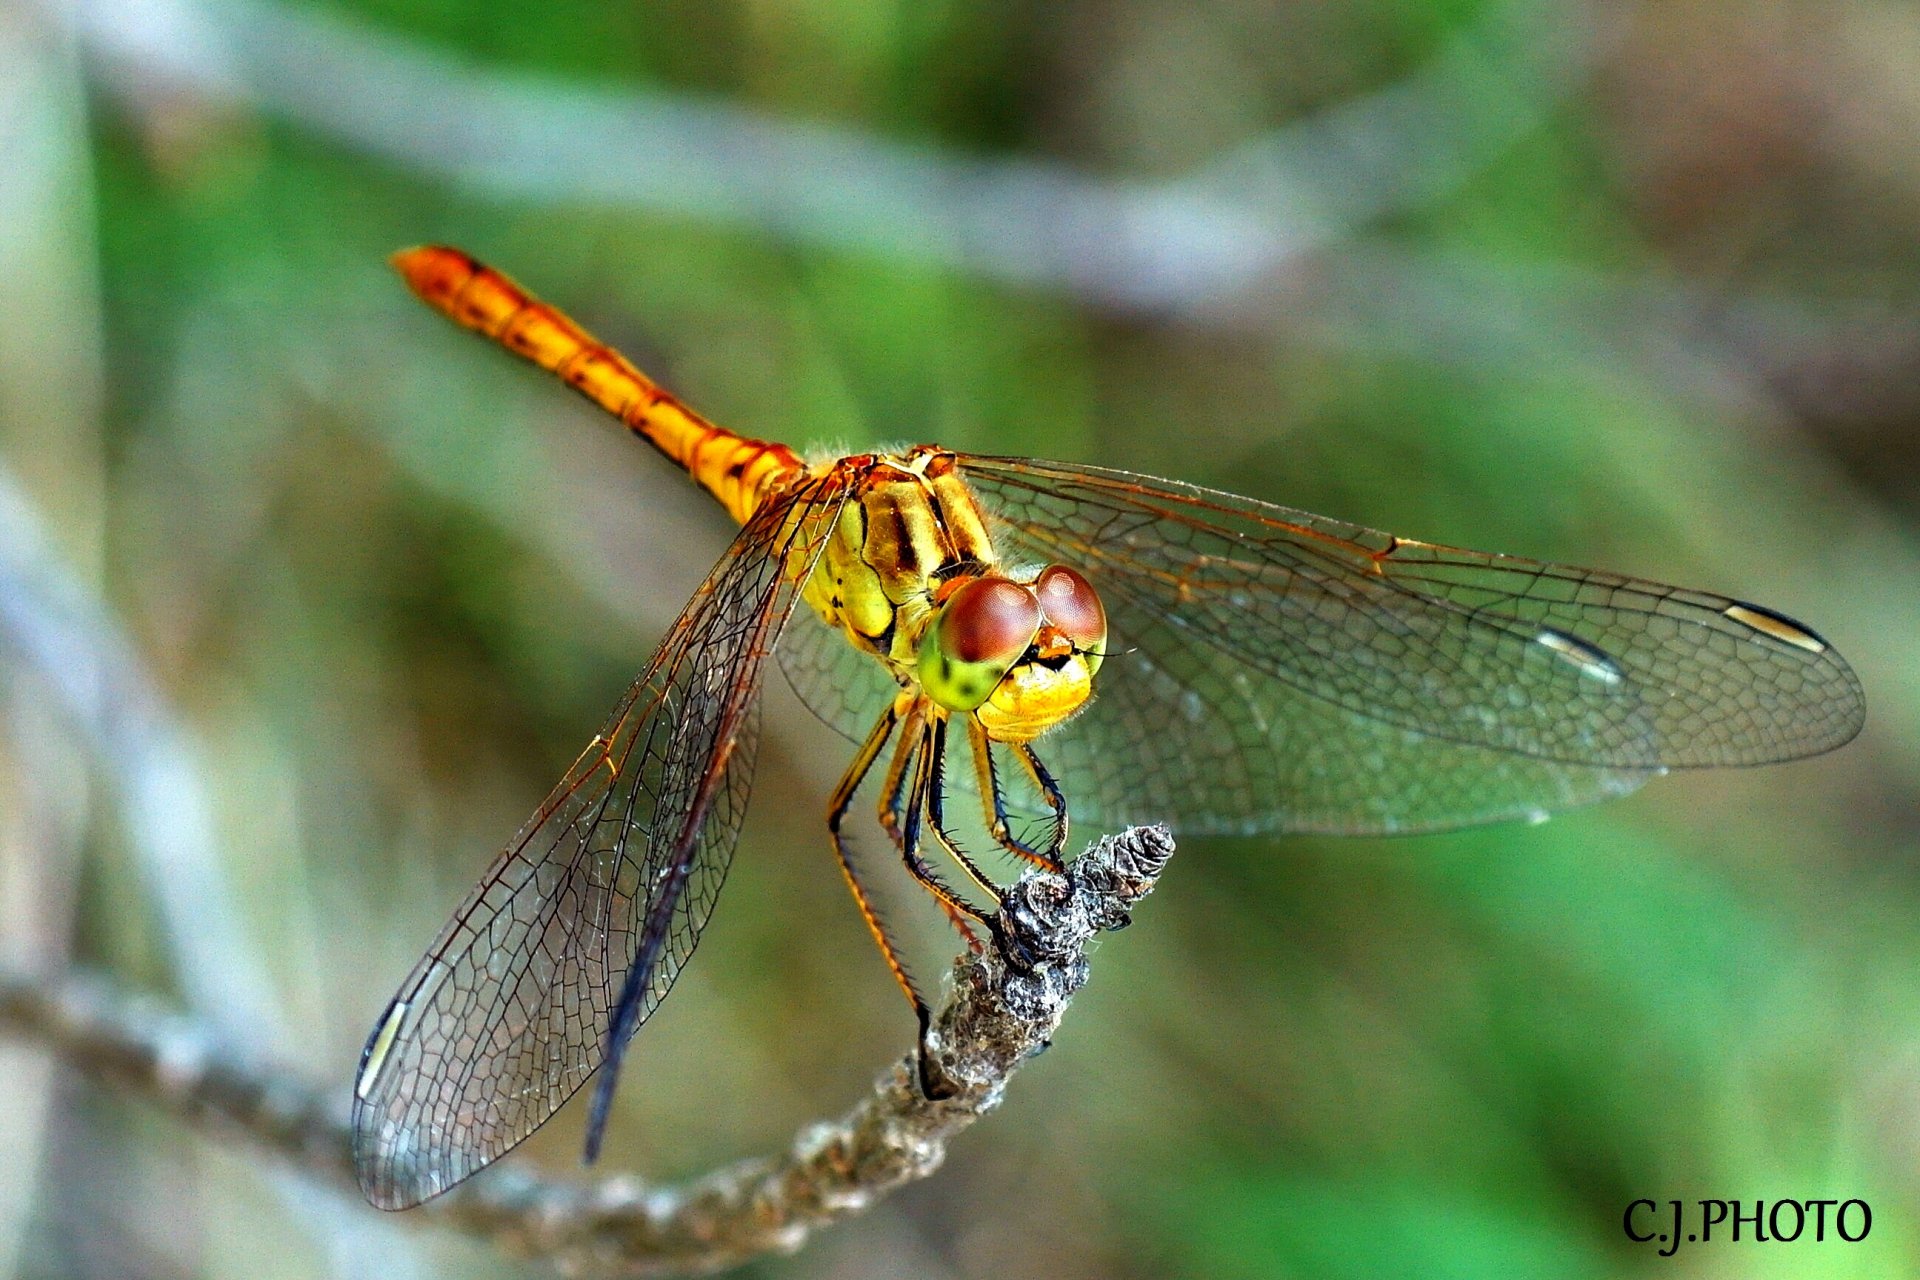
(1001, 1010)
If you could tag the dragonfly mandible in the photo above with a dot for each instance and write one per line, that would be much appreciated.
(1132, 649)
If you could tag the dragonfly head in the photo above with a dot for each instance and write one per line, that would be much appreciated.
(1020, 655)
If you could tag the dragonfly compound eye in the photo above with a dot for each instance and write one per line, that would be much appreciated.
(1070, 603)
(982, 630)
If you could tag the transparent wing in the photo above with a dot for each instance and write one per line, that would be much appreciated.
(1274, 670)
(508, 1013)
(1199, 740)
(844, 687)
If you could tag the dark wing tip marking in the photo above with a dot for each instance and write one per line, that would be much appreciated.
(1775, 626)
(1589, 660)
(374, 1057)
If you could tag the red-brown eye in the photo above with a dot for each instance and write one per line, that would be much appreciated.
(989, 620)
(1071, 604)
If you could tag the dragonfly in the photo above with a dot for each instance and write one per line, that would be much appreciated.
(1045, 636)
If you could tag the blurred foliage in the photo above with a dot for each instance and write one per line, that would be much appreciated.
(391, 581)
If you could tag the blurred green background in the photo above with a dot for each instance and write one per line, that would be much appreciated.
(1635, 285)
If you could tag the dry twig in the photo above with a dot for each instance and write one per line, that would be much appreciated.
(1002, 1009)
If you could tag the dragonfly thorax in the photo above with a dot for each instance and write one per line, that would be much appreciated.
(910, 575)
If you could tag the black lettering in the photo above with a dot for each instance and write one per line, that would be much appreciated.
(1866, 1221)
(1673, 1240)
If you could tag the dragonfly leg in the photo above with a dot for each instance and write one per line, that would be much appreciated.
(995, 803)
(1055, 798)
(902, 804)
(837, 811)
(900, 810)
(935, 785)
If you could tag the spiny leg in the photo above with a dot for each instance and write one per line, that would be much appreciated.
(836, 811)
(1050, 791)
(994, 800)
(900, 809)
(901, 805)
(934, 769)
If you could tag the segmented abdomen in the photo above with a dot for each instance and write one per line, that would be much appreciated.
(735, 469)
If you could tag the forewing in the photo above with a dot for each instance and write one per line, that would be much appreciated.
(507, 1014)
(1197, 739)
(1274, 670)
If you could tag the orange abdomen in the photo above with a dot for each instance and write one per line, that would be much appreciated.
(736, 470)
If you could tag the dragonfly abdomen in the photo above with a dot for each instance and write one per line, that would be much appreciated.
(735, 469)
